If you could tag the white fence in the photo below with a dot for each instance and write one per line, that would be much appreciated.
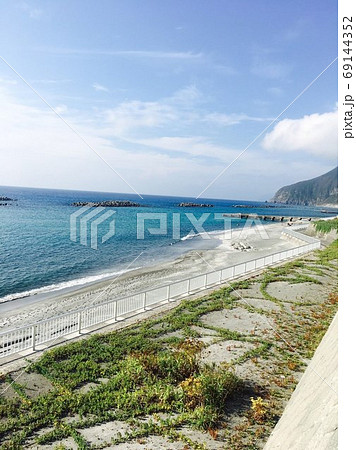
(73, 323)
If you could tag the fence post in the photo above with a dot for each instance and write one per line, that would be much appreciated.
(144, 301)
(205, 280)
(220, 276)
(115, 311)
(79, 322)
(168, 292)
(188, 286)
(34, 337)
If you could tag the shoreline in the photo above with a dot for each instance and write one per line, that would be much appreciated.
(190, 263)
(77, 284)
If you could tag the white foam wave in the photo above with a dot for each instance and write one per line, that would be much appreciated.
(59, 286)
(188, 236)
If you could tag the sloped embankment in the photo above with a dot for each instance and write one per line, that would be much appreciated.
(214, 372)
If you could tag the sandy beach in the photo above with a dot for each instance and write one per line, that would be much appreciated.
(241, 245)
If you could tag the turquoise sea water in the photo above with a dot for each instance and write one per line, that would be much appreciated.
(36, 251)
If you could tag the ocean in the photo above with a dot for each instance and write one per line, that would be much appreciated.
(38, 255)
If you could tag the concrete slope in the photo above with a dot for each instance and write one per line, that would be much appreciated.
(310, 418)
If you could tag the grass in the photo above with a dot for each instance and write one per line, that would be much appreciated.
(325, 226)
(328, 254)
(141, 372)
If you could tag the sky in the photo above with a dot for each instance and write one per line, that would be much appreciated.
(167, 97)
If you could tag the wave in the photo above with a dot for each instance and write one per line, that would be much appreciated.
(190, 235)
(62, 285)
(212, 235)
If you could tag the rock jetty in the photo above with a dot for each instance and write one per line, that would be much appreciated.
(195, 205)
(108, 204)
(263, 217)
(4, 201)
(259, 206)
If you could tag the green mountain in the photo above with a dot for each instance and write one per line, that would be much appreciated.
(320, 191)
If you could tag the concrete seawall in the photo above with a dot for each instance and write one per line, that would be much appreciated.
(310, 419)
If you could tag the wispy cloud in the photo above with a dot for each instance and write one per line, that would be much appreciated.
(192, 146)
(150, 54)
(275, 91)
(186, 96)
(7, 81)
(32, 12)
(100, 87)
(35, 13)
(61, 109)
(267, 63)
(137, 115)
(296, 30)
(186, 106)
(269, 69)
(50, 81)
(233, 119)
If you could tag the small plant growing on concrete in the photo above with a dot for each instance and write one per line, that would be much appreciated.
(259, 408)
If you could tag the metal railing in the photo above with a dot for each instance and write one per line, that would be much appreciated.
(30, 337)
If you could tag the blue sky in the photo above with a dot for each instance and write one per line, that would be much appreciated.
(168, 93)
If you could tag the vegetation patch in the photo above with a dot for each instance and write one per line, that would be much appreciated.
(325, 226)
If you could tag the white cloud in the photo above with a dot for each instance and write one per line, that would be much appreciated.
(137, 114)
(186, 96)
(233, 119)
(100, 87)
(314, 133)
